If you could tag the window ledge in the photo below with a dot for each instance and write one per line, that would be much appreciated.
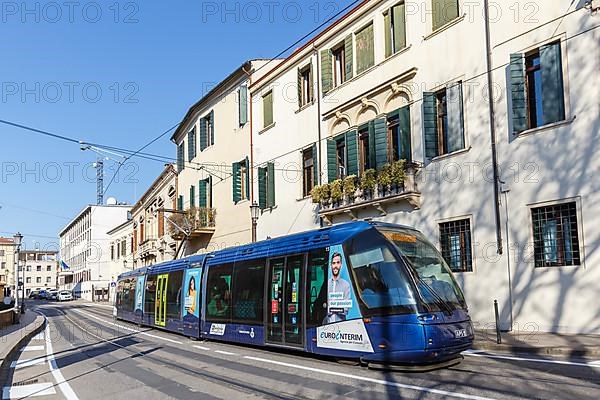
(401, 51)
(266, 128)
(304, 198)
(454, 153)
(268, 209)
(445, 27)
(546, 127)
(304, 107)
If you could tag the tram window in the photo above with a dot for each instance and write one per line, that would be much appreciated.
(128, 297)
(120, 295)
(150, 296)
(316, 293)
(174, 294)
(219, 292)
(248, 294)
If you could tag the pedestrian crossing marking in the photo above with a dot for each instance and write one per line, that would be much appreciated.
(33, 348)
(27, 362)
(34, 390)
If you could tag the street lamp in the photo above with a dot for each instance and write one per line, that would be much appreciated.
(254, 214)
(125, 264)
(18, 238)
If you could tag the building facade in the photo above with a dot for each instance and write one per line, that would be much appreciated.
(214, 167)
(41, 270)
(121, 246)
(7, 266)
(395, 120)
(84, 255)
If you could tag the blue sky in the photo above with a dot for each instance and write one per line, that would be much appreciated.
(116, 73)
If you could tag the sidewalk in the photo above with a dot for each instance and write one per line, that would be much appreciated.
(541, 343)
(12, 337)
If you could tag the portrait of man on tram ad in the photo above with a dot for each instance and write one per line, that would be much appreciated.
(339, 298)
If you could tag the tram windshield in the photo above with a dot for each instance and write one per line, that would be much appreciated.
(436, 284)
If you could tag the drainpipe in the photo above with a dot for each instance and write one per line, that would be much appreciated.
(250, 120)
(317, 75)
(492, 128)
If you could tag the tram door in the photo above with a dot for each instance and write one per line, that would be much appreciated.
(285, 313)
(160, 304)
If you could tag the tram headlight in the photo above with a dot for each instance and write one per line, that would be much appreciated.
(427, 317)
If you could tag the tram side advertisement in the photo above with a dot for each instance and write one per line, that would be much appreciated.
(343, 327)
(139, 295)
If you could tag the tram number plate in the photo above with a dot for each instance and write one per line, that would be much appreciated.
(460, 333)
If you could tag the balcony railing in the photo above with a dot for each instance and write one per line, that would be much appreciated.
(371, 194)
(194, 222)
(148, 247)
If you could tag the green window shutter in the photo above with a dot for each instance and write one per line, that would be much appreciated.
(212, 127)
(387, 27)
(243, 104)
(553, 103)
(454, 104)
(331, 160)
(202, 193)
(381, 142)
(404, 133)
(262, 188)
(210, 191)
(444, 11)
(191, 144)
(352, 152)
(180, 203)
(299, 88)
(192, 196)
(349, 56)
(365, 49)
(237, 182)
(271, 184)
(518, 92)
(203, 134)
(311, 84)
(372, 154)
(399, 16)
(267, 109)
(430, 124)
(248, 172)
(180, 161)
(326, 71)
(316, 166)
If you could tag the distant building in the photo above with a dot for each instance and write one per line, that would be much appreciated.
(41, 269)
(121, 241)
(7, 266)
(84, 255)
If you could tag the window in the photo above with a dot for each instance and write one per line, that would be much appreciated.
(365, 149)
(2, 253)
(555, 235)
(268, 109)
(20, 267)
(443, 121)
(150, 295)
(266, 186)
(399, 139)
(219, 293)
(443, 12)
(309, 169)
(537, 87)
(395, 29)
(174, 294)
(38, 268)
(49, 268)
(305, 86)
(179, 207)
(205, 193)
(3, 265)
(192, 144)
(340, 146)
(28, 279)
(316, 293)
(48, 279)
(241, 180)
(339, 65)
(365, 49)
(455, 239)
(180, 159)
(123, 248)
(243, 104)
(192, 196)
(38, 279)
(207, 131)
(248, 293)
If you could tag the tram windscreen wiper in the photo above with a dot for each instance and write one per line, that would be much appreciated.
(438, 299)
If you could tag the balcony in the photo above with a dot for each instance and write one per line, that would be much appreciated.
(148, 248)
(374, 193)
(193, 223)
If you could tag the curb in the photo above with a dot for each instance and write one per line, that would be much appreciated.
(16, 348)
(543, 351)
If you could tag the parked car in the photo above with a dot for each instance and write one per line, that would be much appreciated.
(64, 295)
(52, 294)
(35, 294)
(42, 294)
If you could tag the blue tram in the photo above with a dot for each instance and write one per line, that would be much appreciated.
(372, 291)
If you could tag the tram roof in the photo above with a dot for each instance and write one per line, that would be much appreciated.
(290, 244)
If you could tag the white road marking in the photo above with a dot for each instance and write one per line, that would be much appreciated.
(95, 305)
(63, 385)
(227, 353)
(129, 329)
(372, 380)
(39, 336)
(27, 362)
(32, 348)
(202, 348)
(593, 364)
(36, 389)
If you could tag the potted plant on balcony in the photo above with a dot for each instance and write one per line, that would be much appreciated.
(337, 193)
(398, 173)
(349, 187)
(368, 182)
(317, 194)
(384, 179)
